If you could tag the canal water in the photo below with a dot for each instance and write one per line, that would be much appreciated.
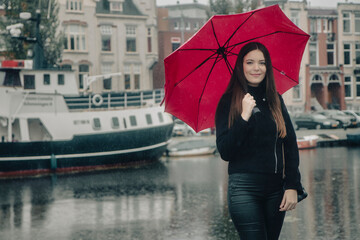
(175, 198)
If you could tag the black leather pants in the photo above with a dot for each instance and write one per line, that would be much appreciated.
(254, 201)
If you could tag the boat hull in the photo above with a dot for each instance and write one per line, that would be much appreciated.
(86, 152)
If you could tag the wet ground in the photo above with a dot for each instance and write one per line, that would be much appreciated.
(179, 198)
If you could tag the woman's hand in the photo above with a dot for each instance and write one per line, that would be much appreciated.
(248, 103)
(289, 200)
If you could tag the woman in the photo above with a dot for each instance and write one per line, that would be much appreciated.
(253, 129)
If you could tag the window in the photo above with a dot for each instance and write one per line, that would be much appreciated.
(132, 76)
(106, 32)
(357, 53)
(96, 124)
(358, 86)
(346, 22)
(329, 25)
(116, 6)
(66, 67)
(161, 118)
(148, 119)
(106, 68)
(318, 25)
(127, 81)
(61, 79)
(130, 39)
(115, 123)
(348, 86)
(74, 5)
(46, 79)
(313, 54)
(312, 25)
(83, 70)
(330, 54)
(297, 91)
(196, 26)
(175, 43)
(133, 122)
(294, 16)
(29, 82)
(316, 78)
(75, 38)
(347, 56)
(187, 26)
(176, 26)
(357, 22)
(324, 25)
(334, 78)
(149, 40)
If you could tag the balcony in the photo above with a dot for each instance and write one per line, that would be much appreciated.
(331, 37)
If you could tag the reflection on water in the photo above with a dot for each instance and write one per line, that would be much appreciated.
(182, 198)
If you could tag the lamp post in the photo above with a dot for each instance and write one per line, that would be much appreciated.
(38, 49)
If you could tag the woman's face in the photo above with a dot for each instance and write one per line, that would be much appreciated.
(254, 67)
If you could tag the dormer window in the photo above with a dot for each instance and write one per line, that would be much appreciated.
(116, 5)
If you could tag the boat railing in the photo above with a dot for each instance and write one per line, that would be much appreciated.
(115, 100)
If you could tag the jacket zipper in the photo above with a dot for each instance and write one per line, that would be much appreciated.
(276, 159)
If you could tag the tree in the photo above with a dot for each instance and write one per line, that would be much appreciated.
(49, 40)
(221, 6)
(232, 6)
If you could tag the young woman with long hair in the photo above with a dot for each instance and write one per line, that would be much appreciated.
(254, 133)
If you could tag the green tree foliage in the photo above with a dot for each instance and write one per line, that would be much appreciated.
(50, 40)
(232, 6)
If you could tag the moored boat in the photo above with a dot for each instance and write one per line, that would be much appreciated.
(353, 138)
(46, 125)
(307, 142)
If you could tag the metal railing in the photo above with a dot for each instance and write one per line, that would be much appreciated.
(115, 100)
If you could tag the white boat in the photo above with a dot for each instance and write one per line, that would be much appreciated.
(46, 125)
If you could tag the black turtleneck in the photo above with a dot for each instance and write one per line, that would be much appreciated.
(255, 145)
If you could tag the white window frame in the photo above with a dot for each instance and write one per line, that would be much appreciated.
(176, 26)
(350, 84)
(349, 51)
(106, 32)
(357, 52)
(318, 26)
(317, 53)
(299, 89)
(357, 21)
(107, 68)
(74, 5)
(357, 83)
(295, 17)
(313, 24)
(346, 19)
(131, 34)
(132, 69)
(116, 5)
(78, 35)
(333, 51)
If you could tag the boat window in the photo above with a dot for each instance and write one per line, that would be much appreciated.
(161, 119)
(46, 79)
(29, 81)
(115, 122)
(96, 124)
(12, 78)
(61, 79)
(133, 121)
(148, 119)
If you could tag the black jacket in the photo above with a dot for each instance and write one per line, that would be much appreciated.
(255, 145)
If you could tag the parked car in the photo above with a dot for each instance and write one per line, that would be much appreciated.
(314, 121)
(342, 118)
(354, 114)
(182, 129)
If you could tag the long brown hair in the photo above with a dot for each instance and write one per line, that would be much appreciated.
(238, 87)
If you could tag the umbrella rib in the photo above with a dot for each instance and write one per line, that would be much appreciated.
(203, 90)
(232, 35)
(283, 73)
(194, 69)
(266, 35)
(212, 26)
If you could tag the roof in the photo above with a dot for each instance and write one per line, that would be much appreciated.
(129, 8)
(322, 12)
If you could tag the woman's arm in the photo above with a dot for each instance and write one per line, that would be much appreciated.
(228, 139)
(291, 152)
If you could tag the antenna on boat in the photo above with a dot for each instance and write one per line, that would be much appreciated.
(88, 80)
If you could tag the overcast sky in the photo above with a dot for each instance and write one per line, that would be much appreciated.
(313, 3)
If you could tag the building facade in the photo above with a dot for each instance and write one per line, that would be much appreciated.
(176, 24)
(103, 37)
(349, 52)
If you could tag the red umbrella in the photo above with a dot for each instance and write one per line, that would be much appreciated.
(197, 73)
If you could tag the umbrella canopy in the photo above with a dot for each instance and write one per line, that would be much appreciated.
(197, 73)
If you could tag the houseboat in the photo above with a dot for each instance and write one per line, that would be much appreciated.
(47, 125)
